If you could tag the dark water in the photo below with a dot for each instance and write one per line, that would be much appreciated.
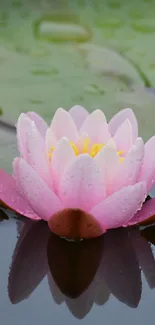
(45, 279)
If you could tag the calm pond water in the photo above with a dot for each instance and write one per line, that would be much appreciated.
(62, 53)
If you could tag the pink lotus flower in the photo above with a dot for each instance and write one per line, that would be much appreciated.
(101, 171)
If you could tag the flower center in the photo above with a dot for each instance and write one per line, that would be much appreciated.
(86, 147)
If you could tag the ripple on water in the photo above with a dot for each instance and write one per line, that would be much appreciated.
(61, 28)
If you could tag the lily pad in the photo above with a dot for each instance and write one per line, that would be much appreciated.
(42, 67)
(8, 146)
(142, 101)
(110, 64)
(40, 75)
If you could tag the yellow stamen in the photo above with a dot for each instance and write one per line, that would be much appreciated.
(121, 159)
(86, 148)
(85, 145)
(95, 149)
(120, 152)
(51, 152)
(75, 148)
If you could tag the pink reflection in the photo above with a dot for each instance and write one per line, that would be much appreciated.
(81, 273)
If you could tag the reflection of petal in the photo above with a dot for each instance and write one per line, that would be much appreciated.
(145, 256)
(58, 296)
(120, 267)
(23, 228)
(29, 263)
(96, 292)
(73, 264)
(81, 306)
(102, 293)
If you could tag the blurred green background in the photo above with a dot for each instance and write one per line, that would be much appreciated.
(100, 54)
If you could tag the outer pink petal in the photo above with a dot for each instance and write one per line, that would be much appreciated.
(63, 126)
(44, 202)
(120, 207)
(147, 211)
(129, 169)
(10, 195)
(148, 169)
(82, 185)
(36, 155)
(78, 114)
(96, 127)
(62, 156)
(23, 125)
(108, 161)
(120, 117)
(39, 122)
(123, 136)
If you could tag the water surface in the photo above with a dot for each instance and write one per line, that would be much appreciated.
(46, 279)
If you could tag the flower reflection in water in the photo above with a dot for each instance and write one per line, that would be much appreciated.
(29, 262)
(81, 273)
